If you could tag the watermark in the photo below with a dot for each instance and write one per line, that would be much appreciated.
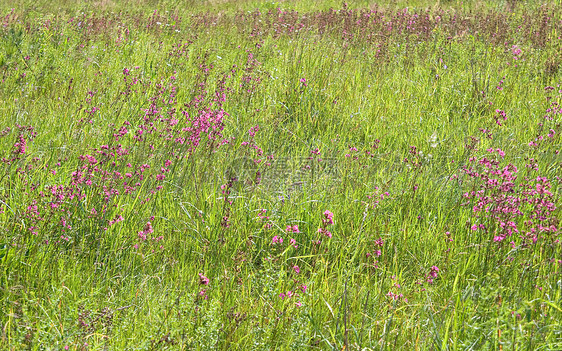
(282, 170)
(296, 172)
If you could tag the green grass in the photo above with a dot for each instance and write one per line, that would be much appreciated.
(74, 274)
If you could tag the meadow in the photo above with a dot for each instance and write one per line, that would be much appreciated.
(292, 175)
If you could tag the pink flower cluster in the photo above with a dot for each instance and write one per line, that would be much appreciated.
(504, 207)
(326, 221)
(292, 229)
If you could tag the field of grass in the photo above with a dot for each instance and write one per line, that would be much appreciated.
(293, 175)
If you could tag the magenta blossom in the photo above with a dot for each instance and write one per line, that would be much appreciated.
(296, 269)
(434, 271)
(292, 229)
(328, 218)
(203, 280)
(432, 274)
(294, 243)
(325, 232)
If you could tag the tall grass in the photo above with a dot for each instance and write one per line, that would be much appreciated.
(280, 176)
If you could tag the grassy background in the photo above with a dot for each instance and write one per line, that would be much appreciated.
(362, 90)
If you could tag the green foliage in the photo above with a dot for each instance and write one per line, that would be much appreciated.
(142, 209)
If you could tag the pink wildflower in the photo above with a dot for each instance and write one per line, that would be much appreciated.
(328, 218)
(296, 269)
(203, 280)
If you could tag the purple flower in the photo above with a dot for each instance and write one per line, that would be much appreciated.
(325, 232)
(294, 243)
(203, 280)
(292, 229)
(328, 218)
(296, 269)
(20, 146)
(434, 271)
